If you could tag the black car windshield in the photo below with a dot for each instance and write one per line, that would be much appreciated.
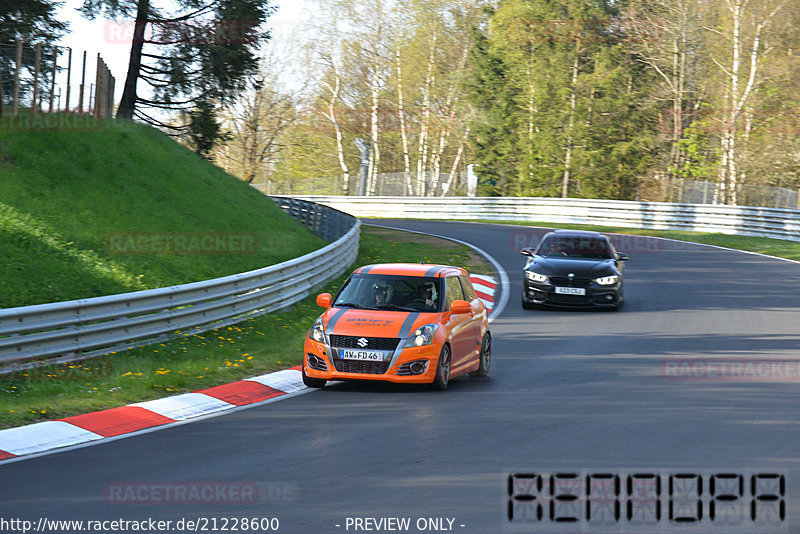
(390, 292)
(588, 247)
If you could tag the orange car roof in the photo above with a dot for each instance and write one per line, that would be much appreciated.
(411, 269)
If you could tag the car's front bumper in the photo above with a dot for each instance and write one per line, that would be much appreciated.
(396, 370)
(595, 296)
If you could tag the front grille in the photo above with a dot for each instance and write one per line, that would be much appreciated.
(563, 281)
(376, 343)
(357, 366)
(570, 299)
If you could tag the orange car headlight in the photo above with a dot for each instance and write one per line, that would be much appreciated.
(422, 336)
(316, 332)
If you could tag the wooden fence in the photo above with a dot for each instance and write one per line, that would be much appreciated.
(42, 79)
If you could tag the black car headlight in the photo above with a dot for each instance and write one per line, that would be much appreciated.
(535, 277)
(607, 280)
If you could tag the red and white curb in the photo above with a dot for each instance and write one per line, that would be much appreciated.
(79, 429)
(484, 287)
(48, 435)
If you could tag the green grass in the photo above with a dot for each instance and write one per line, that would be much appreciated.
(189, 363)
(64, 194)
(762, 245)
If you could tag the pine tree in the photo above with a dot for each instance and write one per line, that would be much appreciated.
(194, 62)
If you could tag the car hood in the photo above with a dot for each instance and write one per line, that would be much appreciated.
(374, 323)
(581, 268)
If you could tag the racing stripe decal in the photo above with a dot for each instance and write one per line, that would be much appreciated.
(332, 320)
(366, 269)
(405, 330)
(433, 271)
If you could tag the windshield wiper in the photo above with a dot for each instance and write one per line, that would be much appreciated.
(346, 305)
(395, 307)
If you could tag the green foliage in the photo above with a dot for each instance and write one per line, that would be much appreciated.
(30, 20)
(697, 164)
(549, 79)
(64, 194)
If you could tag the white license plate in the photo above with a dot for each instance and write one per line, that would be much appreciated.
(571, 290)
(366, 355)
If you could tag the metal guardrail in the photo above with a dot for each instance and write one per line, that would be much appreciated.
(734, 220)
(80, 329)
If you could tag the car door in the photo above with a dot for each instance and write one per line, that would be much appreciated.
(476, 319)
(459, 325)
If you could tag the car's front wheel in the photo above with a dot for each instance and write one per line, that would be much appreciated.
(485, 356)
(312, 382)
(442, 378)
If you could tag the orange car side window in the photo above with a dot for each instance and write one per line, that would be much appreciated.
(454, 291)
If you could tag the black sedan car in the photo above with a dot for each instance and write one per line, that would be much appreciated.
(573, 268)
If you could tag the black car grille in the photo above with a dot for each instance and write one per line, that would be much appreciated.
(376, 343)
(570, 299)
(357, 366)
(563, 281)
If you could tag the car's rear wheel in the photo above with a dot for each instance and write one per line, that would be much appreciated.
(442, 378)
(312, 382)
(485, 356)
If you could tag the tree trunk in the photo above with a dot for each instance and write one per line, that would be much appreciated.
(456, 161)
(339, 147)
(572, 105)
(376, 153)
(422, 149)
(128, 103)
(401, 118)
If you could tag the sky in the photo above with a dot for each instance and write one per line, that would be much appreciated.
(112, 39)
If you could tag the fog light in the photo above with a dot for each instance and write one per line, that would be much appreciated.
(609, 297)
(315, 362)
(417, 368)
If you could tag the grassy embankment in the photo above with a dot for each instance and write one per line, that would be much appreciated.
(64, 195)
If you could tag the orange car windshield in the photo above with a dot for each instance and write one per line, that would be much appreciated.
(390, 292)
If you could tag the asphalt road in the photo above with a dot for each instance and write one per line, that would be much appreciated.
(569, 391)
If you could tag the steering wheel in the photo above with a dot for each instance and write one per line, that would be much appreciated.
(419, 303)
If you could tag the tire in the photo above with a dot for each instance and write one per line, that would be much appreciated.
(485, 357)
(442, 378)
(312, 382)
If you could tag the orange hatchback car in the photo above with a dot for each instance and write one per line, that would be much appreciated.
(399, 322)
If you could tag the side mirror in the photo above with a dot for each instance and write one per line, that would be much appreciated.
(460, 306)
(621, 256)
(526, 252)
(324, 300)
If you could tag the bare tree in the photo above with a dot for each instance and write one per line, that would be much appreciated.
(742, 29)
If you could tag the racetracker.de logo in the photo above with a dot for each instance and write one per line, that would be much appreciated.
(50, 122)
(172, 493)
(629, 243)
(181, 243)
(184, 32)
(731, 370)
